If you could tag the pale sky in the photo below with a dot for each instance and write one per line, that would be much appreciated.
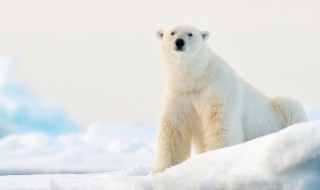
(101, 59)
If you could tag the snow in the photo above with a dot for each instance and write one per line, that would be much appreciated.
(102, 147)
(124, 179)
(288, 159)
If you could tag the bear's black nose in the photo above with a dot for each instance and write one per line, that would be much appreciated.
(179, 43)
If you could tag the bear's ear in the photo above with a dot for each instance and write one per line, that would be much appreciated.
(160, 34)
(205, 35)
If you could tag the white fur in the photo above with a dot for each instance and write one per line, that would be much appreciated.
(206, 103)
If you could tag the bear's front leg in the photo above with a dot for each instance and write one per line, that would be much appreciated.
(174, 133)
(222, 126)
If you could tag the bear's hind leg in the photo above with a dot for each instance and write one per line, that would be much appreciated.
(289, 111)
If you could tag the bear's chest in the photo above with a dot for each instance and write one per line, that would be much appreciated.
(187, 77)
(188, 84)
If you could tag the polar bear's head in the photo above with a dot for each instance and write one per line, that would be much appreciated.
(181, 41)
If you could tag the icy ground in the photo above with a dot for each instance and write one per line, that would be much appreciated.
(101, 147)
(288, 159)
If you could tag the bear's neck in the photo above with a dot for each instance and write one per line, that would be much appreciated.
(188, 73)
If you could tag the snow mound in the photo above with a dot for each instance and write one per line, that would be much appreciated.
(22, 111)
(100, 148)
(288, 159)
(130, 179)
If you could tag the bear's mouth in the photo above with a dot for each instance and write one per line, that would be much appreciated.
(179, 49)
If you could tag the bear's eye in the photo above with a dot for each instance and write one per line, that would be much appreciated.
(172, 33)
(190, 35)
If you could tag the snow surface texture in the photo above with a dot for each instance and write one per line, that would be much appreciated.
(286, 160)
(100, 148)
(21, 111)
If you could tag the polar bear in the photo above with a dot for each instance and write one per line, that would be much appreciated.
(207, 104)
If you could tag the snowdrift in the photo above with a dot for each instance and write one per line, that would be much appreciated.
(102, 147)
(288, 159)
